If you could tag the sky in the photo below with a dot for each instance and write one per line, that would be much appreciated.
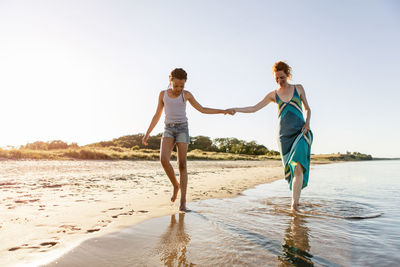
(89, 71)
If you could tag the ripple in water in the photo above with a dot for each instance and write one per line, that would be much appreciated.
(338, 208)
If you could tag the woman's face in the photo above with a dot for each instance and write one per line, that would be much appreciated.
(280, 77)
(177, 85)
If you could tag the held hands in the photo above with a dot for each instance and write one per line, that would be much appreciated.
(230, 111)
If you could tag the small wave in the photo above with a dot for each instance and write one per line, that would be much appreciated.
(336, 208)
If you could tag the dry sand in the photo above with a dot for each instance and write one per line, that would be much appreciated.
(49, 207)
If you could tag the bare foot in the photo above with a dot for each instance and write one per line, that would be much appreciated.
(294, 208)
(184, 209)
(175, 194)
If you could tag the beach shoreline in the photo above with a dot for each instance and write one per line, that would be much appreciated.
(257, 227)
(47, 217)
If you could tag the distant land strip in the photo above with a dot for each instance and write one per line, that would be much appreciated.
(129, 147)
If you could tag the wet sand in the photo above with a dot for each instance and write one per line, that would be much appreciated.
(338, 225)
(50, 207)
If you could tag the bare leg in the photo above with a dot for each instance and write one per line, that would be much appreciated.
(296, 186)
(182, 163)
(167, 144)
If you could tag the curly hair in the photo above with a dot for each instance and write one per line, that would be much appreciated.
(282, 66)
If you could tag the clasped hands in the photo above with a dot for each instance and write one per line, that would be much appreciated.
(230, 111)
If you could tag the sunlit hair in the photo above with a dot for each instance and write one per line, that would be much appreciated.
(178, 73)
(282, 66)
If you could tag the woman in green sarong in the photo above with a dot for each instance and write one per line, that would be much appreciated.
(295, 137)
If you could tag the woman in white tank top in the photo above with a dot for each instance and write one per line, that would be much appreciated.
(173, 101)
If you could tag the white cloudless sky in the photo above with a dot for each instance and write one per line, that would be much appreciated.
(87, 71)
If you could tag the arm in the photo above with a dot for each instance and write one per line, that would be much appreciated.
(270, 97)
(155, 119)
(306, 107)
(200, 108)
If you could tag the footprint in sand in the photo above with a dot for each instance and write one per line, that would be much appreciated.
(125, 213)
(93, 230)
(49, 244)
(66, 227)
(143, 211)
(14, 248)
(104, 211)
(21, 201)
(116, 208)
(26, 246)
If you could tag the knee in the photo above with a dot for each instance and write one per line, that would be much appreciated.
(164, 161)
(299, 169)
(182, 165)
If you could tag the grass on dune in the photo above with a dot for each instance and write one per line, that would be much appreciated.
(120, 153)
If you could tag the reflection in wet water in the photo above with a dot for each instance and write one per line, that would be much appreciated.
(173, 244)
(296, 245)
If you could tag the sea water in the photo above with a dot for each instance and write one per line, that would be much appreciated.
(349, 216)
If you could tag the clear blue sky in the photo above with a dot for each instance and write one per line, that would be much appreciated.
(86, 71)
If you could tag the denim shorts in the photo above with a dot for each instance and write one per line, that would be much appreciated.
(178, 131)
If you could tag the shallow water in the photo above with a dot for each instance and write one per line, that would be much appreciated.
(349, 217)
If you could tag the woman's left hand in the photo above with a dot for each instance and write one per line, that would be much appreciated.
(306, 127)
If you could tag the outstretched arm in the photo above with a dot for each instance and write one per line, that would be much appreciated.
(270, 97)
(307, 108)
(200, 108)
(155, 119)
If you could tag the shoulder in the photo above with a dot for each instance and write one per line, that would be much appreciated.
(187, 94)
(161, 96)
(271, 95)
(300, 89)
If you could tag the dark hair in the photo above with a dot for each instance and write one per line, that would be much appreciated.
(178, 73)
(280, 65)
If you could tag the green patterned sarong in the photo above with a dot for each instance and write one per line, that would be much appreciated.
(294, 144)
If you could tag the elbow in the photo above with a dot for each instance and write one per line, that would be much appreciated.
(308, 112)
(156, 117)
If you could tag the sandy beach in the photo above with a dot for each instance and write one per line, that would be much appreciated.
(49, 207)
(338, 225)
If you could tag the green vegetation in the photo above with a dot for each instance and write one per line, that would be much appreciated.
(355, 156)
(204, 143)
(130, 148)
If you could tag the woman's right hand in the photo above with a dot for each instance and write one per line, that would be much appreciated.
(230, 111)
(144, 140)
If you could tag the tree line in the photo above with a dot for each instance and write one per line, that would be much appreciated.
(204, 143)
(52, 145)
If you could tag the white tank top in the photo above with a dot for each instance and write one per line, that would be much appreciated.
(175, 108)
